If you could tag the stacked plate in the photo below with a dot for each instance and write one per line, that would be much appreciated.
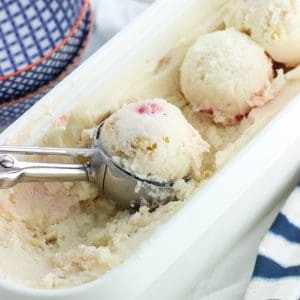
(40, 41)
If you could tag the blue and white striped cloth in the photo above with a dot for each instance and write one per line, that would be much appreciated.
(277, 270)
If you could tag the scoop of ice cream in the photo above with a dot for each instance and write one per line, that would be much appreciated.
(274, 24)
(225, 73)
(152, 139)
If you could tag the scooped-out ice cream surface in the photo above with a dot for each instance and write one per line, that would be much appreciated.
(153, 140)
(226, 74)
(274, 24)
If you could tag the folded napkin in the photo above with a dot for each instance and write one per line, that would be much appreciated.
(277, 270)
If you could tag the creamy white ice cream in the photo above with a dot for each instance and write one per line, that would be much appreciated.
(226, 74)
(153, 140)
(274, 24)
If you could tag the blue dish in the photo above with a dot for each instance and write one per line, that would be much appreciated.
(21, 85)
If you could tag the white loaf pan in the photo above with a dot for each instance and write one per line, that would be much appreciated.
(170, 263)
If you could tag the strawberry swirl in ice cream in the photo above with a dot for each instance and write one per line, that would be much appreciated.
(153, 140)
(226, 74)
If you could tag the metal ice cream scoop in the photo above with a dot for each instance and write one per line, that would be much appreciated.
(126, 189)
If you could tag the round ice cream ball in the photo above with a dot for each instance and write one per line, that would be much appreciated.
(153, 140)
(274, 24)
(226, 74)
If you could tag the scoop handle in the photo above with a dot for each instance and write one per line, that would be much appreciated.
(71, 152)
(13, 171)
